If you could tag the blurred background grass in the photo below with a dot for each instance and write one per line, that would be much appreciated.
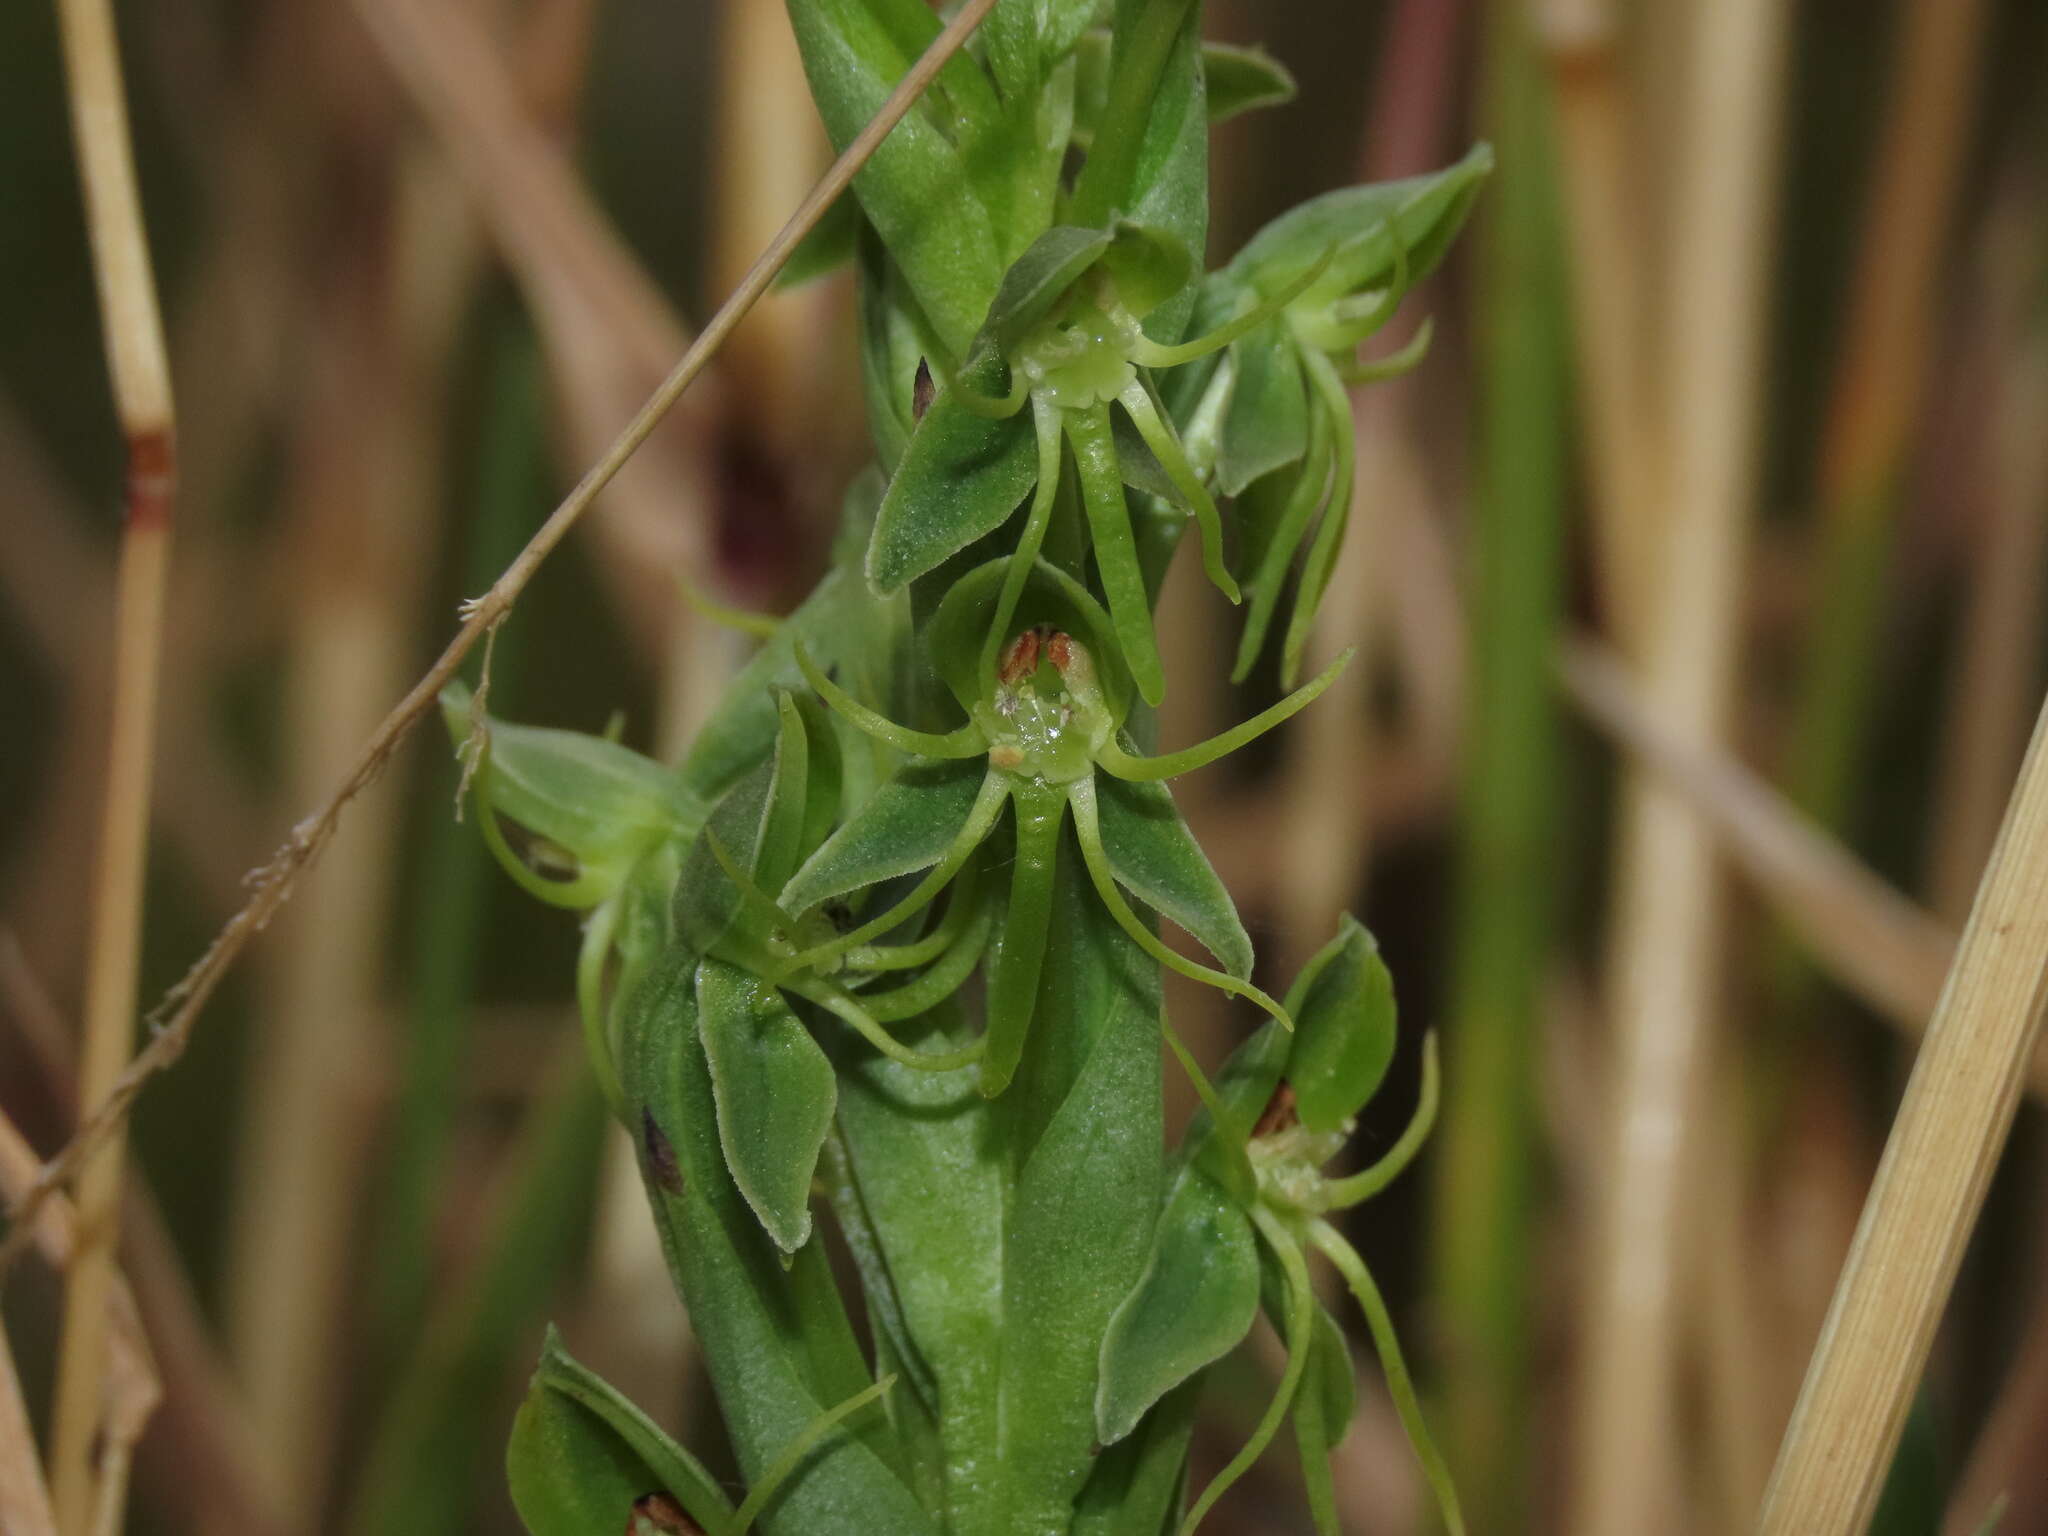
(420, 257)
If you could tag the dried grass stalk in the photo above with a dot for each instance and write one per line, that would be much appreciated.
(133, 338)
(1944, 1145)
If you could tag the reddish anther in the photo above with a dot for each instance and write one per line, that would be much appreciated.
(1021, 659)
(1059, 650)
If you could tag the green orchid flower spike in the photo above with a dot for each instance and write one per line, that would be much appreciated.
(1275, 415)
(1248, 1198)
(1045, 740)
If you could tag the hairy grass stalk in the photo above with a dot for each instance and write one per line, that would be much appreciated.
(1944, 1145)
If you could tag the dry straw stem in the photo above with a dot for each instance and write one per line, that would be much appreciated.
(24, 1501)
(1944, 1146)
(1604, 226)
(129, 1376)
(180, 1007)
(1667, 934)
(132, 333)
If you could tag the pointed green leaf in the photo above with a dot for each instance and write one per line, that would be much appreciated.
(774, 1090)
(1343, 1007)
(907, 825)
(962, 476)
(1139, 1485)
(707, 903)
(1156, 858)
(1243, 79)
(919, 190)
(1194, 1303)
(582, 1455)
(1356, 228)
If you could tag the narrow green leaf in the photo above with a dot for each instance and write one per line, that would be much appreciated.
(923, 1152)
(918, 191)
(772, 1354)
(1194, 1303)
(1343, 1008)
(907, 825)
(561, 1463)
(962, 476)
(1156, 858)
(1082, 1123)
(774, 1090)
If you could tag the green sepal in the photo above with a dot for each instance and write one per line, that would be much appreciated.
(1149, 266)
(1156, 858)
(962, 476)
(581, 1456)
(954, 635)
(1243, 79)
(906, 825)
(1194, 1303)
(1357, 228)
(587, 807)
(1024, 39)
(775, 1094)
(1238, 79)
(1343, 1008)
(919, 190)
(1267, 425)
(1040, 278)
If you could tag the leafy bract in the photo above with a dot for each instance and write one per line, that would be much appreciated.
(906, 826)
(775, 1094)
(1194, 1303)
(962, 476)
(1343, 1007)
(1156, 858)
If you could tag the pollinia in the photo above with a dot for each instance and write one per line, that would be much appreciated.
(883, 948)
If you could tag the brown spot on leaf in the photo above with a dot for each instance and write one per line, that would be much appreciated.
(661, 1154)
(921, 390)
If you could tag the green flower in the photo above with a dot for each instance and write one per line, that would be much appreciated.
(1066, 332)
(1046, 739)
(1249, 1196)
